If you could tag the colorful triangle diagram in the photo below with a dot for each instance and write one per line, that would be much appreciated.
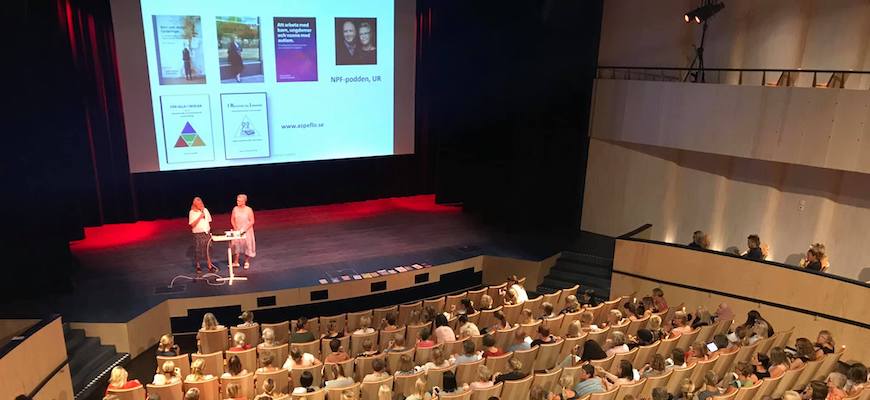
(188, 128)
(181, 142)
(198, 142)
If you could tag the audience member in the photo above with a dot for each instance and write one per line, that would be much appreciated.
(368, 348)
(723, 346)
(519, 292)
(390, 321)
(816, 390)
(700, 240)
(449, 386)
(247, 318)
(759, 331)
(118, 380)
(661, 305)
(167, 374)
(443, 332)
(489, 347)
(681, 324)
(644, 338)
(697, 352)
(616, 344)
(239, 343)
(588, 383)
(625, 374)
(519, 342)
(857, 379)
(406, 366)
(614, 318)
(754, 252)
(655, 327)
(196, 372)
(438, 360)
(547, 311)
(379, 372)
(661, 393)
(656, 367)
(420, 392)
(267, 361)
(745, 374)
(779, 362)
(332, 331)
(825, 343)
(753, 317)
(574, 329)
(805, 352)
(516, 372)
(234, 392)
(724, 313)
(544, 337)
(587, 298)
(424, 341)
(677, 360)
(467, 328)
(302, 335)
(761, 363)
(836, 382)
(469, 354)
(166, 347)
(365, 327)
(572, 305)
(686, 391)
(485, 303)
(191, 394)
(484, 378)
(340, 380)
(234, 367)
(396, 343)
(268, 337)
(702, 318)
(526, 317)
(813, 261)
(586, 324)
(337, 354)
(300, 359)
(710, 388)
(565, 389)
(269, 387)
(306, 382)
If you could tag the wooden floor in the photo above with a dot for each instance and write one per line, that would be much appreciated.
(125, 269)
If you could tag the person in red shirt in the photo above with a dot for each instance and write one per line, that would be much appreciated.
(424, 341)
(489, 347)
(118, 380)
(239, 341)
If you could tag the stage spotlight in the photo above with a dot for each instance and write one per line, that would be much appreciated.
(704, 12)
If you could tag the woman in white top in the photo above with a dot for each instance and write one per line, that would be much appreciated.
(242, 220)
(167, 374)
(199, 220)
(520, 295)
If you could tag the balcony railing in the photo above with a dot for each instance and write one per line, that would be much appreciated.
(818, 78)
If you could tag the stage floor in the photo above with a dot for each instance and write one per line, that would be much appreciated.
(125, 268)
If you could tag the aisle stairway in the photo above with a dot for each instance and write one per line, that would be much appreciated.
(590, 271)
(90, 362)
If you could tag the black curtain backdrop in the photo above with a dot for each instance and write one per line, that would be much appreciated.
(502, 109)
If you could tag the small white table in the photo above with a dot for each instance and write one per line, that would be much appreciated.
(235, 235)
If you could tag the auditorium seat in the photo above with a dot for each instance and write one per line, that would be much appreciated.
(596, 312)
(487, 317)
(644, 355)
(476, 295)
(339, 321)
(729, 396)
(764, 345)
(621, 327)
(631, 389)
(405, 311)
(548, 355)
(504, 337)
(437, 304)
(353, 320)
(809, 371)
(478, 342)
(451, 302)
(424, 355)
(181, 361)
(512, 312)
(782, 338)
(608, 395)
(364, 365)
(518, 389)
(281, 330)
(527, 357)
(653, 382)
(725, 363)
(404, 384)
(608, 305)
(279, 353)
(209, 389)
(137, 393)
(335, 394)
(370, 389)
(281, 378)
(701, 368)
(385, 336)
(452, 347)
(316, 371)
(319, 394)
(553, 299)
(485, 394)
(688, 339)
(412, 333)
(744, 354)
(563, 298)
(167, 392)
(828, 363)
(435, 376)
(531, 330)
(466, 395)
(312, 347)
(600, 335)
(346, 367)
(638, 324)
(547, 380)
(767, 387)
(467, 372)
(677, 377)
(706, 334)
(252, 333)
(788, 381)
(380, 314)
(499, 363)
(249, 358)
(568, 345)
(617, 358)
(534, 304)
(495, 292)
(213, 341)
(357, 340)
(394, 356)
(245, 382)
(748, 392)
(554, 324)
(213, 362)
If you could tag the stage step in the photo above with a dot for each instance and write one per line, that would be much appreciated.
(90, 362)
(590, 271)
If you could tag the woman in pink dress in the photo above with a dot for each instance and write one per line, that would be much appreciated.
(243, 220)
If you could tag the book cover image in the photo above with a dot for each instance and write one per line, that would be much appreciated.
(246, 125)
(178, 39)
(295, 49)
(239, 55)
(187, 128)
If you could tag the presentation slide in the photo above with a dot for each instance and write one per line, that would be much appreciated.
(217, 83)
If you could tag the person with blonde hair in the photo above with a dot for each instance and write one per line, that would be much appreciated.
(825, 344)
(438, 361)
(836, 381)
(210, 323)
(566, 389)
(242, 220)
(385, 393)
(791, 395)
(365, 327)
(616, 344)
(197, 372)
(167, 374)
(239, 342)
(485, 302)
(191, 394)
(484, 378)
(516, 372)
(571, 305)
(614, 317)
(703, 317)
(166, 347)
(526, 317)
(574, 330)
(405, 367)
(340, 379)
(654, 324)
(420, 392)
(118, 380)
(268, 337)
(199, 221)
(681, 324)
(687, 390)
(586, 322)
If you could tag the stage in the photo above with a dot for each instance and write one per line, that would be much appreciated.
(126, 269)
